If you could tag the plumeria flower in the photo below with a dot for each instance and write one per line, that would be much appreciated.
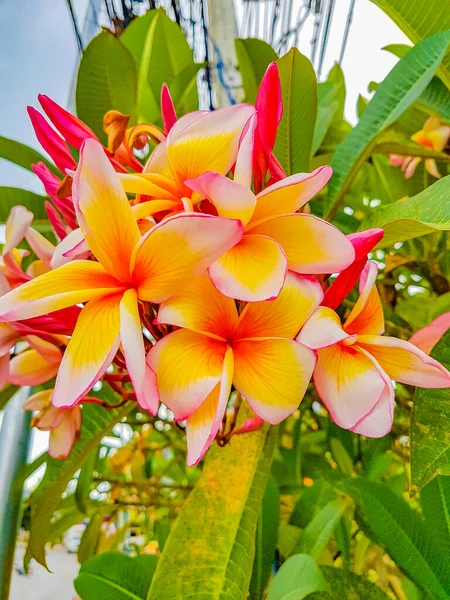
(276, 236)
(216, 347)
(355, 363)
(198, 142)
(64, 424)
(150, 268)
(434, 136)
(427, 337)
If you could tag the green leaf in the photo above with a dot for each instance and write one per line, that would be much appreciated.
(115, 576)
(22, 155)
(435, 502)
(297, 577)
(419, 20)
(135, 35)
(164, 55)
(97, 422)
(344, 584)
(106, 81)
(183, 89)
(266, 540)
(392, 524)
(253, 56)
(296, 130)
(11, 196)
(84, 483)
(216, 560)
(430, 424)
(90, 538)
(403, 85)
(422, 214)
(318, 532)
(6, 394)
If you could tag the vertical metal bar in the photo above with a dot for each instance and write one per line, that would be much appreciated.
(14, 444)
(347, 30)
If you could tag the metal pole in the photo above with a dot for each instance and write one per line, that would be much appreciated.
(14, 443)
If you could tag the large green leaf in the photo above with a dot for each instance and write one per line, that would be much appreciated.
(298, 577)
(97, 422)
(10, 197)
(424, 213)
(210, 549)
(418, 20)
(6, 394)
(430, 424)
(161, 54)
(266, 540)
(106, 81)
(391, 523)
(435, 502)
(344, 584)
(395, 94)
(318, 532)
(115, 576)
(22, 155)
(296, 130)
(254, 56)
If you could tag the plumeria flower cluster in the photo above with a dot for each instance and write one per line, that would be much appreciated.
(196, 278)
(434, 136)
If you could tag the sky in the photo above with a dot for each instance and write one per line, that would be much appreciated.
(39, 54)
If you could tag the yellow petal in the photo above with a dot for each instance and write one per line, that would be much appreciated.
(202, 308)
(103, 211)
(188, 366)
(30, 368)
(254, 269)
(273, 375)
(70, 284)
(366, 316)
(203, 425)
(178, 248)
(91, 349)
(284, 316)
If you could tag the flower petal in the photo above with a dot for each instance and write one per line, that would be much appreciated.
(17, 225)
(8, 337)
(142, 376)
(149, 184)
(201, 308)
(363, 242)
(379, 421)
(312, 246)
(178, 248)
(366, 316)
(349, 383)
(51, 141)
(231, 199)
(254, 269)
(71, 128)
(290, 194)
(71, 284)
(273, 375)
(40, 245)
(169, 116)
(188, 366)
(30, 368)
(284, 316)
(90, 350)
(72, 246)
(427, 337)
(322, 329)
(103, 211)
(404, 362)
(203, 425)
(210, 143)
(63, 437)
(243, 168)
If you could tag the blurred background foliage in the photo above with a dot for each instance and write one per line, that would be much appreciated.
(336, 515)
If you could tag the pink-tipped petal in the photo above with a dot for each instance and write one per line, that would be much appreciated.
(404, 362)
(72, 247)
(427, 337)
(51, 141)
(366, 317)
(322, 329)
(142, 375)
(17, 225)
(55, 220)
(30, 368)
(169, 116)
(73, 130)
(379, 421)
(231, 199)
(244, 163)
(203, 425)
(40, 245)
